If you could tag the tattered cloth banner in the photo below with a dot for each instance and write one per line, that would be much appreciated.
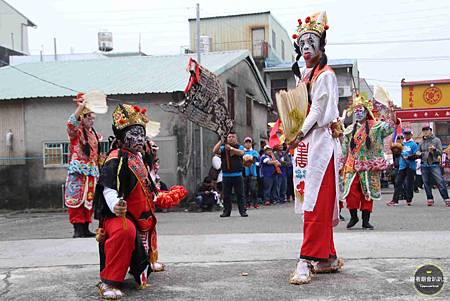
(204, 101)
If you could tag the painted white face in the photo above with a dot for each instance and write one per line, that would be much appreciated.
(309, 44)
(360, 113)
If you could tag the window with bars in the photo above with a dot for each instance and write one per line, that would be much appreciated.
(56, 154)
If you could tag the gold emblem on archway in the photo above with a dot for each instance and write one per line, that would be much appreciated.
(432, 95)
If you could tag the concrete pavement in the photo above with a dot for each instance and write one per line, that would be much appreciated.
(206, 257)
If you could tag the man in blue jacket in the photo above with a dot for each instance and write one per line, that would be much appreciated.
(407, 170)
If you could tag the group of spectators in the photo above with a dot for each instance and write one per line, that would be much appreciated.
(255, 177)
(416, 165)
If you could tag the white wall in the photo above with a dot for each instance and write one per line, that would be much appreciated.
(13, 22)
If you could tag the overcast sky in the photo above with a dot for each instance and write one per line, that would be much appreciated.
(164, 30)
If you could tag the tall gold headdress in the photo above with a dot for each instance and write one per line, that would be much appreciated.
(317, 23)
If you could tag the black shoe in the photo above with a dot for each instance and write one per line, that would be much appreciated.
(366, 218)
(78, 230)
(353, 219)
(224, 215)
(87, 233)
(244, 214)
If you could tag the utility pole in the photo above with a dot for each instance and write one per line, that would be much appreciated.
(140, 43)
(54, 47)
(197, 23)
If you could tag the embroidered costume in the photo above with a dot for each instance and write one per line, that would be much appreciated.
(127, 242)
(82, 172)
(363, 159)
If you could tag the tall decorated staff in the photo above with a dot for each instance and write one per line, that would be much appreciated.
(125, 202)
(317, 149)
(363, 157)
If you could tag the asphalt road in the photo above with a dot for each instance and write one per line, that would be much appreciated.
(271, 219)
(206, 256)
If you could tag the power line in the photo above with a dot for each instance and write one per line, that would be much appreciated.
(405, 59)
(47, 81)
(127, 10)
(382, 80)
(391, 41)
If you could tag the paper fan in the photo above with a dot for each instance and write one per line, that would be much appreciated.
(96, 102)
(382, 95)
(152, 129)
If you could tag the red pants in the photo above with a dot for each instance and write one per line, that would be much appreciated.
(119, 247)
(80, 215)
(356, 199)
(318, 244)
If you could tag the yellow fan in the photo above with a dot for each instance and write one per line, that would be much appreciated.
(292, 108)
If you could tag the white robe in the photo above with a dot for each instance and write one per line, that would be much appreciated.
(322, 146)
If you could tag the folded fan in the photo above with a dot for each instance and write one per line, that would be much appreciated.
(292, 108)
(96, 102)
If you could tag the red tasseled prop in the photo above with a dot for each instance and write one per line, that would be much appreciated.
(171, 198)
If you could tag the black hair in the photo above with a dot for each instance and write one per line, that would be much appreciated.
(86, 147)
(322, 62)
(323, 59)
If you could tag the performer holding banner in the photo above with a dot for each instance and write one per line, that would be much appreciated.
(125, 205)
(317, 150)
(363, 158)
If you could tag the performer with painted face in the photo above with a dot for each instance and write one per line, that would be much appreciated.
(125, 205)
(363, 159)
(317, 152)
(83, 168)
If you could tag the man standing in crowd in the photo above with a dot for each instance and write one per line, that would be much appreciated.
(83, 168)
(250, 177)
(430, 151)
(281, 179)
(268, 164)
(231, 153)
(407, 170)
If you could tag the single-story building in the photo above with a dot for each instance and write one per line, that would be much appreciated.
(280, 77)
(36, 100)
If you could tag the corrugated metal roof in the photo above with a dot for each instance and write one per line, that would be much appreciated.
(287, 65)
(231, 16)
(121, 75)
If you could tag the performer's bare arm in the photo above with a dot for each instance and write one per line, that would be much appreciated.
(80, 107)
(236, 152)
(216, 148)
